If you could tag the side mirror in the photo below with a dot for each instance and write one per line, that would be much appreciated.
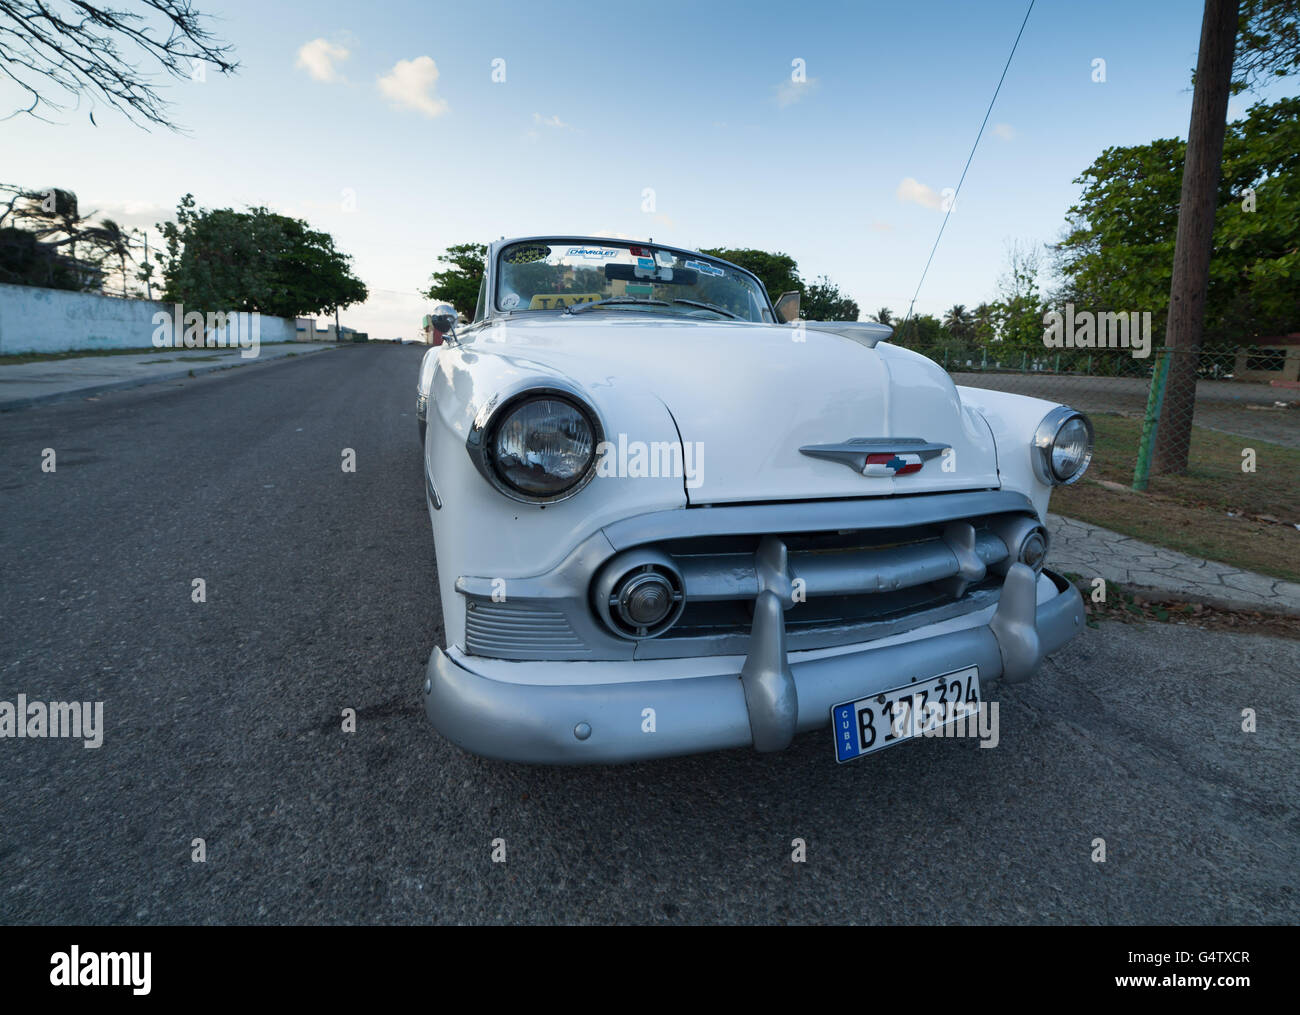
(443, 319)
(787, 306)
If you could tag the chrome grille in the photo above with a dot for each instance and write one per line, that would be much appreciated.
(866, 570)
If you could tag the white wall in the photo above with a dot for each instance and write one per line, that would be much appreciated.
(33, 319)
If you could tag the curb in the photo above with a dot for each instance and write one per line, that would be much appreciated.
(140, 382)
(1150, 594)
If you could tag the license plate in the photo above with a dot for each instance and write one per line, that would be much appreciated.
(885, 719)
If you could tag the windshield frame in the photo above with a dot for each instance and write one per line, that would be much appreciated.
(768, 311)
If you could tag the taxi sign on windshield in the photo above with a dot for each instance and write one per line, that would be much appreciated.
(558, 301)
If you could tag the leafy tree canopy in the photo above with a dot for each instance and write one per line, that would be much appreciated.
(1118, 251)
(778, 272)
(823, 301)
(458, 284)
(254, 260)
(1268, 42)
(46, 241)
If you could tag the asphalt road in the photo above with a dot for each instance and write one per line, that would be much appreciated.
(223, 720)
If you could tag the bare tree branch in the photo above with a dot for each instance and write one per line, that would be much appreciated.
(53, 49)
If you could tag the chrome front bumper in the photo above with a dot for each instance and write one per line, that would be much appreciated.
(764, 704)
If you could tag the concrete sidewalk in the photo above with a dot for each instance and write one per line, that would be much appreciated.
(1094, 552)
(26, 384)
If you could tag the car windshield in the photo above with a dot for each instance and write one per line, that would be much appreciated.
(551, 275)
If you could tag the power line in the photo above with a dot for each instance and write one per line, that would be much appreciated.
(969, 158)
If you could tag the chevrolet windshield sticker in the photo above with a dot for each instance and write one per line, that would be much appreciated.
(705, 269)
(592, 253)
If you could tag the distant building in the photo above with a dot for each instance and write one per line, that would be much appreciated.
(310, 331)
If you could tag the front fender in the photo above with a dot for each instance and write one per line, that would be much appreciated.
(1013, 420)
(478, 530)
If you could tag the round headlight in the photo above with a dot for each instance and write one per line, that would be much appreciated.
(1071, 450)
(1063, 446)
(543, 447)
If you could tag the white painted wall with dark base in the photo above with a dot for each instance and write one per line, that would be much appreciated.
(33, 319)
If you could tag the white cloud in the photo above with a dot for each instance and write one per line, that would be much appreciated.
(916, 192)
(129, 214)
(790, 92)
(318, 58)
(411, 85)
(551, 121)
(1004, 131)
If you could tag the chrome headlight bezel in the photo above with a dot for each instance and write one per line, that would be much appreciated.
(1044, 443)
(482, 439)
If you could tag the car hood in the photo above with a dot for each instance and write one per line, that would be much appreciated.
(747, 397)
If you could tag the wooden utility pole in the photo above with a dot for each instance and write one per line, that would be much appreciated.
(1195, 240)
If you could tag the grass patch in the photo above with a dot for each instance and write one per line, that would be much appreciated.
(1214, 511)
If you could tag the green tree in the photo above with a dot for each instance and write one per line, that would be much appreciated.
(113, 241)
(778, 272)
(459, 283)
(820, 300)
(1268, 42)
(921, 331)
(1254, 41)
(823, 301)
(1118, 251)
(958, 322)
(883, 316)
(46, 240)
(1020, 308)
(255, 260)
(983, 324)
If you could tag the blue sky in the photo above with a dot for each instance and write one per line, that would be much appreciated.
(388, 130)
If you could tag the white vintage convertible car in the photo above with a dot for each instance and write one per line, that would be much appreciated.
(670, 517)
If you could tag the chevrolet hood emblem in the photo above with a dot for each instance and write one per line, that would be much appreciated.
(878, 456)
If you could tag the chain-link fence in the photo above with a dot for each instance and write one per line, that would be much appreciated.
(1219, 427)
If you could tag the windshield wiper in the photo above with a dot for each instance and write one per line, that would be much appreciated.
(614, 301)
(708, 306)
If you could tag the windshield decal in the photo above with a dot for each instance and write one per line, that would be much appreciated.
(558, 301)
(704, 268)
(591, 253)
(526, 254)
